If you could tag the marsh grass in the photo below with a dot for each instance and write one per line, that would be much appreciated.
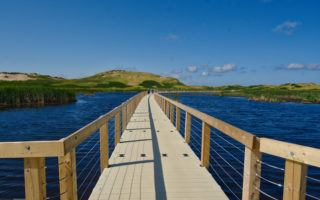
(22, 96)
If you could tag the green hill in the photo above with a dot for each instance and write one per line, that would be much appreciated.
(126, 80)
(105, 81)
(121, 80)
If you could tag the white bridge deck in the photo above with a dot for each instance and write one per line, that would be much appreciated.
(153, 162)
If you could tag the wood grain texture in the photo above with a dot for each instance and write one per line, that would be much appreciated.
(35, 178)
(205, 145)
(187, 129)
(31, 149)
(251, 173)
(117, 128)
(294, 181)
(104, 146)
(294, 152)
(68, 176)
(178, 119)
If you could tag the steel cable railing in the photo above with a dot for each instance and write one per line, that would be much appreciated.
(55, 163)
(223, 151)
(235, 159)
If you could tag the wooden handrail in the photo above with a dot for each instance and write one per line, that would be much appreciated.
(55, 148)
(289, 151)
(297, 157)
(241, 136)
(35, 152)
(29, 149)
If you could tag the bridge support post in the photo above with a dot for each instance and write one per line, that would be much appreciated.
(104, 146)
(205, 145)
(35, 178)
(251, 173)
(178, 118)
(187, 128)
(167, 108)
(128, 112)
(294, 180)
(172, 113)
(117, 128)
(68, 176)
(124, 118)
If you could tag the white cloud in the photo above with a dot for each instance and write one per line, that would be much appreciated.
(172, 37)
(204, 73)
(295, 66)
(192, 68)
(300, 66)
(224, 68)
(314, 66)
(287, 27)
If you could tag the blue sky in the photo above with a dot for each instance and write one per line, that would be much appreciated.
(210, 42)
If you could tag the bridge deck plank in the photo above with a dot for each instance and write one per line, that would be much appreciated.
(154, 176)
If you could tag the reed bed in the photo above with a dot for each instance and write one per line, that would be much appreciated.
(11, 96)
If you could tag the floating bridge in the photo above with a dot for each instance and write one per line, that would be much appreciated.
(151, 160)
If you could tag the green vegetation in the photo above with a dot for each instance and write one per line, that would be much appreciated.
(115, 80)
(21, 89)
(302, 93)
(12, 96)
(40, 89)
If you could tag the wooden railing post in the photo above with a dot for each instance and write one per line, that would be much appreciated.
(205, 145)
(68, 176)
(35, 178)
(127, 115)
(104, 146)
(251, 173)
(117, 128)
(178, 118)
(131, 109)
(172, 113)
(187, 128)
(124, 118)
(294, 180)
(167, 108)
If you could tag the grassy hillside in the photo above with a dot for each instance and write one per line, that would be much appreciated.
(121, 80)
(303, 92)
(21, 89)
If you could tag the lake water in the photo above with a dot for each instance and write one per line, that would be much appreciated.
(297, 123)
(51, 123)
(292, 122)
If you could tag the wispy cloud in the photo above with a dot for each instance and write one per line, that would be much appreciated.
(301, 66)
(225, 68)
(205, 74)
(295, 66)
(192, 68)
(287, 27)
(172, 37)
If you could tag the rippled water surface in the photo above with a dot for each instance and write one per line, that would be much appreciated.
(292, 122)
(51, 123)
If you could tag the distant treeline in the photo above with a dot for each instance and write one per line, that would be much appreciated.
(11, 96)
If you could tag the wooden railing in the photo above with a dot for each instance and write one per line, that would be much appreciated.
(35, 153)
(297, 157)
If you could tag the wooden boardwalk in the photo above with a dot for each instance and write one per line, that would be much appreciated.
(153, 162)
